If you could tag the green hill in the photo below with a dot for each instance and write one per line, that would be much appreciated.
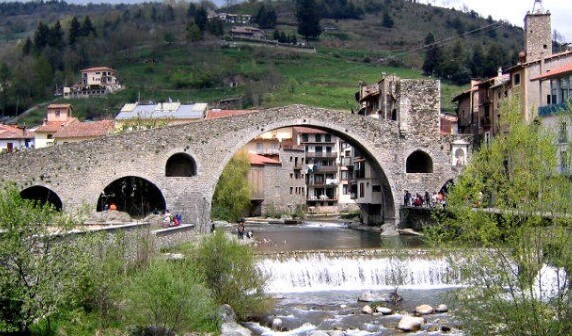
(157, 58)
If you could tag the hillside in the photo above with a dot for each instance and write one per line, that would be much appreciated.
(157, 58)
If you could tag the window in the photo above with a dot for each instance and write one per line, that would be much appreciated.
(328, 138)
(361, 190)
(376, 188)
(516, 80)
(345, 189)
(291, 190)
(318, 138)
(305, 137)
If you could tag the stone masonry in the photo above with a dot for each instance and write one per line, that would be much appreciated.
(79, 172)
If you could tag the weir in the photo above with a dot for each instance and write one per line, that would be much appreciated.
(355, 270)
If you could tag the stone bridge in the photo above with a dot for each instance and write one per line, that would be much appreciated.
(184, 162)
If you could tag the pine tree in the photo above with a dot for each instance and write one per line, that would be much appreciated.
(56, 35)
(433, 56)
(308, 16)
(87, 27)
(74, 31)
(41, 36)
(201, 19)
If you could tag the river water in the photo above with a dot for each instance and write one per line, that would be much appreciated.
(317, 271)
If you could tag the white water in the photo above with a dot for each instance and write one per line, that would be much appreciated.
(318, 272)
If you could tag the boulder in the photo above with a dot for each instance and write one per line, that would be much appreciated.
(276, 324)
(225, 313)
(319, 333)
(112, 216)
(424, 309)
(336, 333)
(442, 308)
(366, 310)
(384, 310)
(409, 232)
(410, 323)
(234, 329)
(369, 296)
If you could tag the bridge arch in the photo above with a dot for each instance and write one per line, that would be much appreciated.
(419, 162)
(359, 141)
(132, 194)
(180, 165)
(42, 195)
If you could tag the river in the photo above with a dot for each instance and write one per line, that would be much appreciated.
(317, 271)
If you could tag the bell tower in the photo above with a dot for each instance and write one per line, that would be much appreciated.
(537, 33)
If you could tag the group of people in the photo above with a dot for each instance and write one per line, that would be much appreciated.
(426, 200)
(169, 220)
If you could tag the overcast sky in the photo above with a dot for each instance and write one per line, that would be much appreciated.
(514, 11)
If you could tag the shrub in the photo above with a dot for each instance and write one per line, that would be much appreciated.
(229, 270)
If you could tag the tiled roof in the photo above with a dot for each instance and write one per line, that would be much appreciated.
(259, 160)
(217, 113)
(85, 129)
(59, 106)
(53, 126)
(308, 130)
(13, 132)
(560, 71)
(97, 69)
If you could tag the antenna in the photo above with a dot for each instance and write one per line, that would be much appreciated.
(539, 9)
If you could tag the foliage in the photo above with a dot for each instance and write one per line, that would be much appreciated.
(36, 276)
(512, 210)
(266, 16)
(229, 270)
(170, 296)
(308, 17)
(232, 192)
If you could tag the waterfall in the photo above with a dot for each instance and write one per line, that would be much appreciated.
(322, 271)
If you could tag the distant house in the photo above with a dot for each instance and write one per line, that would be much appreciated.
(78, 131)
(231, 18)
(170, 113)
(96, 81)
(58, 116)
(14, 138)
(249, 33)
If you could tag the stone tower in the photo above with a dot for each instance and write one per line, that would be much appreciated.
(537, 33)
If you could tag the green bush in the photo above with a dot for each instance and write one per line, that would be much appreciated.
(228, 269)
(169, 295)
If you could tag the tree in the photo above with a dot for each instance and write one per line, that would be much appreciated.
(232, 192)
(37, 272)
(87, 27)
(266, 16)
(27, 47)
(433, 56)
(308, 17)
(74, 31)
(201, 19)
(509, 215)
(41, 36)
(56, 35)
(387, 21)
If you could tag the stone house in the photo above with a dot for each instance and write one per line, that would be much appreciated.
(96, 81)
(58, 116)
(249, 33)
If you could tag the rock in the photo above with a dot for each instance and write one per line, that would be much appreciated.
(234, 329)
(369, 296)
(384, 310)
(225, 313)
(336, 333)
(111, 216)
(343, 306)
(442, 308)
(366, 310)
(174, 256)
(276, 324)
(424, 310)
(319, 333)
(409, 232)
(410, 323)
(445, 328)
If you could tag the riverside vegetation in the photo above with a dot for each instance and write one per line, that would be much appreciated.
(53, 284)
(509, 231)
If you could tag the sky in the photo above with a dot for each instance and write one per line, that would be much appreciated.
(514, 11)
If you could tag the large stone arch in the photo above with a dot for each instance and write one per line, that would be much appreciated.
(356, 139)
(42, 195)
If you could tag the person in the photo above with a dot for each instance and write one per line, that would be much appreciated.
(167, 218)
(112, 206)
(427, 199)
(213, 227)
(241, 228)
(407, 198)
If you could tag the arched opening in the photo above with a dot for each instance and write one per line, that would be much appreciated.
(134, 195)
(42, 195)
(181, 165)
(419, 162)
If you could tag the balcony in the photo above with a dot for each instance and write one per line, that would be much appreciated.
(548, 110)
(322, 154)
(321, 183)
(321, 198)
(325, 169)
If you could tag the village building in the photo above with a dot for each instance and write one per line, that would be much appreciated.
(58, 116)
(14, 138)
(249, 33)
(79, 131)
(96, 81)
(140, 116)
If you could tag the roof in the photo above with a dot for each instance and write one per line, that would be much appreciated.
(463, 93)
(259, 160)
(247, 30)
(218, 113)
(554, 73)
(308, 130)
(85, 129)
(53, 126)
(59, 106)
(14, 132)
(162, 111)
(102, 68)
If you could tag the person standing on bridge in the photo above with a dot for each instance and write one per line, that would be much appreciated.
(407, 198)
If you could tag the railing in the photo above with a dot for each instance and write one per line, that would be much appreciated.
(323, 183)
(322, 154)
(552, 109)
(325, 169)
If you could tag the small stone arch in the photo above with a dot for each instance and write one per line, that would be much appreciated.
(42, 195)
(419, 162)
(134, 195)
(180, 165)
